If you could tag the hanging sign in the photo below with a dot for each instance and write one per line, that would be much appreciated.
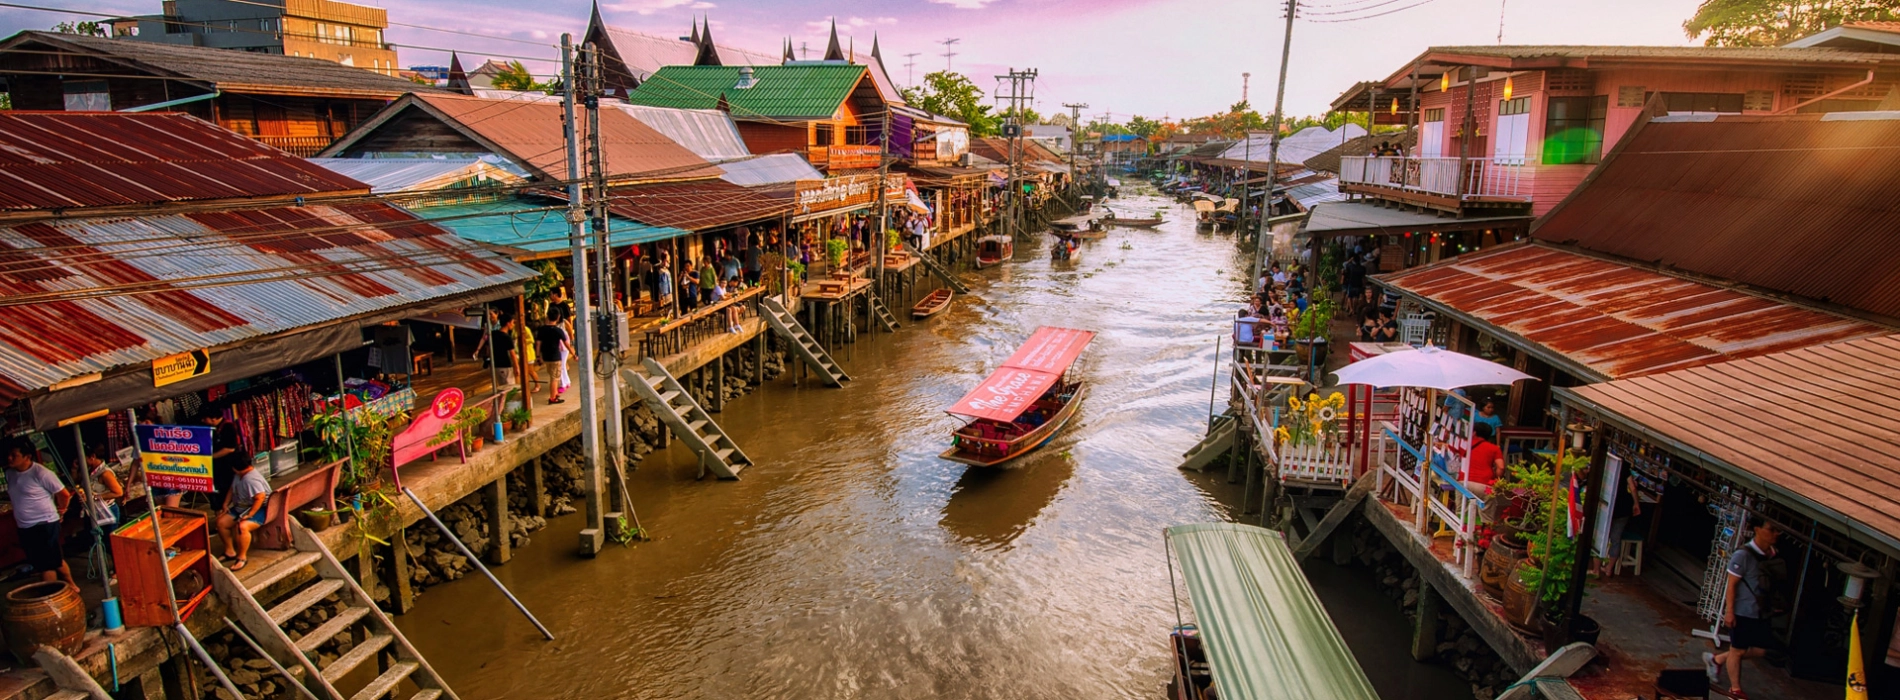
(172, 369)
(176, 456)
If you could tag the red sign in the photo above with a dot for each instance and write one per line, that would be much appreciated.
(1023, 378)
(1051, 349)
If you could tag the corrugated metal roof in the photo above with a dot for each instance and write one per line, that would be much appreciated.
(1295, 149)
(385, 175)
(697, 206)
(530, 133)
(1820, 423)
(707, 132)
(1266, 635)
(1315, 193)
(70, 160)
(1613, 320)
(231, 71)
(529, 228)
(1802, 204)
(311, 273)
(777, 168)
(1674, 53)
(645, 53)
(805, 91)
(1361, 218)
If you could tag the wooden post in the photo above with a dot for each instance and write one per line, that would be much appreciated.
(719, 384)
(1425, 628)
(521, 356)
(758, 359)
(500, 545)
(402, 593)
(537, 488)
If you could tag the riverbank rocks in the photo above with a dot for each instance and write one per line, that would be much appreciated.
(1458, 646)
(252, 674)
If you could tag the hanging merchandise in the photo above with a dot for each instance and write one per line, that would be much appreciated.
(264, 419)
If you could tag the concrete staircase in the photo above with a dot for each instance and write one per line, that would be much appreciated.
(687, 419)
(942, 273)
(368, 636)
(883, 313)
(807, 348)
(1218, 442)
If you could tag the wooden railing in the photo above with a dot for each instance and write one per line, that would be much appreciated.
(1436, 497)
(677, 335)
(300, 146)
(1482, 177)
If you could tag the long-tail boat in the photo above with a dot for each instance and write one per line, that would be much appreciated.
(1024, 403)
(994, 249)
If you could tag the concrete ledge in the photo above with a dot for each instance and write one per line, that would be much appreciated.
(1485, 617)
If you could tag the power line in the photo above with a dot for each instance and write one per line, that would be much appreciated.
(947, 52)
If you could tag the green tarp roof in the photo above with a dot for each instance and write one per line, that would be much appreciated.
(520, 224)
(1266, 635)
(791, 91)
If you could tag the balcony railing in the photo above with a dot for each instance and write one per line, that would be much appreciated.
(1482, 177)
(300, 146)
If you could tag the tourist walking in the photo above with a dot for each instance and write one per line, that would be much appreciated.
(1746, 613)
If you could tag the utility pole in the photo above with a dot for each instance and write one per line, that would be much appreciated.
(1075, 131)
(1245, 78)
(1260, 242)
(591, 532)
(910, 68)
(883, 206)
(1022, 88)
(607, 362)
(947, 52)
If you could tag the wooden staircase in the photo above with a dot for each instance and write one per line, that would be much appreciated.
(360, 626)
(807, 348)
(1218, 442)
(883, 313)
(943, 273)
(687, 419)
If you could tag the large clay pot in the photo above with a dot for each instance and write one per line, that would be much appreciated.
(44, 614)
(1520, 602)
(1500, 561)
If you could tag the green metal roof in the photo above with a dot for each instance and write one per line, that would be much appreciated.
(523, 225)
(811, 91)
(1266, 635)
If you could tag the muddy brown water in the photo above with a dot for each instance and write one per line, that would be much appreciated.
(853, 563)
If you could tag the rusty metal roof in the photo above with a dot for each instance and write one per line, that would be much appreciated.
(1819, 424)
(1605, 320)
(529, 132)
(241, 72)
(207, 279)
(71, 160)
(1802, 204)
(697, 206)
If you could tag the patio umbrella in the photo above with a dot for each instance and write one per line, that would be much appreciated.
(1428, 367)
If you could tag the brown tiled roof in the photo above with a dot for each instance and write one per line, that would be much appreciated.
(68, 160)
(228, 70)
(1817, 424)
(530, 133)
(1801, 204)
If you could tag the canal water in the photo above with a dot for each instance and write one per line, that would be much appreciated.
(853, 563)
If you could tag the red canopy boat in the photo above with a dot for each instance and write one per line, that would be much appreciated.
(1024, 403)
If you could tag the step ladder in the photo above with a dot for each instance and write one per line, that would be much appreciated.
(930, 262)
(1219, 440)
(788, 328)
(372, 638)
(667, 399)
(883, 313)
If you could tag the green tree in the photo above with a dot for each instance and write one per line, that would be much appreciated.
(82, 28)
(1028, 115)
(1143, 126)
(953, 95)
(517, 77)
(1777, 22)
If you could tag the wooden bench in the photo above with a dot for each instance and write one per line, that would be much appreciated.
(306, 488)
(424, 364)
(413, 442)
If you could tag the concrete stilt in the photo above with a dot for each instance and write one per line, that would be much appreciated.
(1425, 628)
(537, 488)
(500, 548)
(396, 566)
(758, 360)
(719, 384)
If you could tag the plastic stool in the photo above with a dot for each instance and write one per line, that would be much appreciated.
(1629, 552)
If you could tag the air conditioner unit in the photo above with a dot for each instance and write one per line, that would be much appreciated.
(966, 160)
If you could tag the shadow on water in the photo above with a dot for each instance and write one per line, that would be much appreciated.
(991, 506)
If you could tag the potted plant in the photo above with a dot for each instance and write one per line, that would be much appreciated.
(517, 419)
(893, 241)
(466, 426)
(1518, 510)
(835, 250)
(1312, 327)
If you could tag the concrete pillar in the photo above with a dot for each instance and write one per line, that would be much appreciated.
(719, 384)
(500, 546)
(402, 593)
(537, 488)
(758, 359)
(1425, 628)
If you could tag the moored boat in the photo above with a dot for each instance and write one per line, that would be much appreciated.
(1066, 249)
(932, 304)
(1082, 227)
(1024, 403)
(994, 249)
(1114, 219)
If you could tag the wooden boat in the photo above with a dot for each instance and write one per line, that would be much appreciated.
(1150, 222)
(932, 304)
(994, 250)
(1023, 404)
(1087, 228)
(1065, 250)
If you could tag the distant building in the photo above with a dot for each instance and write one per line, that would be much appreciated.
(1057, 134)
(434, 73)
(342, 32)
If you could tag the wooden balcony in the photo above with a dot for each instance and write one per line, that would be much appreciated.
(1439, 183)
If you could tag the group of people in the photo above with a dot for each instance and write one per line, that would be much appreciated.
(1265, 322)
(1386, 149)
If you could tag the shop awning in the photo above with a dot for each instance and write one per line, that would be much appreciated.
(1601, 319)
(533, 228)
(1035, 367)
(1817, 428)
(1266, 635)
(1359, 219)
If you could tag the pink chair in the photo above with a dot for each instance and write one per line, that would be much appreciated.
(413, 442)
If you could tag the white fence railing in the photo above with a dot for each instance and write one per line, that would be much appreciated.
(1440, 504)
(1482, 177)
(1326, 464)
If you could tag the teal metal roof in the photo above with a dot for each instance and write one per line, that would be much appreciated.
(792, 91)
(534, 226)
(1266, 635)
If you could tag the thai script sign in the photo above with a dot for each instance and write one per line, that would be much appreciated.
(176, 456)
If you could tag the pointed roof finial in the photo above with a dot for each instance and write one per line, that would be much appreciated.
(695, 32)
(708, 54)
(834, 52)
(874, 53)
(788, 51)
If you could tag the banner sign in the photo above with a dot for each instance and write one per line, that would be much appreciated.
(172, 369)
(176, 456)
(835, 193)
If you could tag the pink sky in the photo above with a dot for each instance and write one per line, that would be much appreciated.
(1123, 57)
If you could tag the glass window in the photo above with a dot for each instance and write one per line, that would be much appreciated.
(1573, 129)
(1513, 130)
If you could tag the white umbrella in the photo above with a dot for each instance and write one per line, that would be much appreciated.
(1427, 367)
